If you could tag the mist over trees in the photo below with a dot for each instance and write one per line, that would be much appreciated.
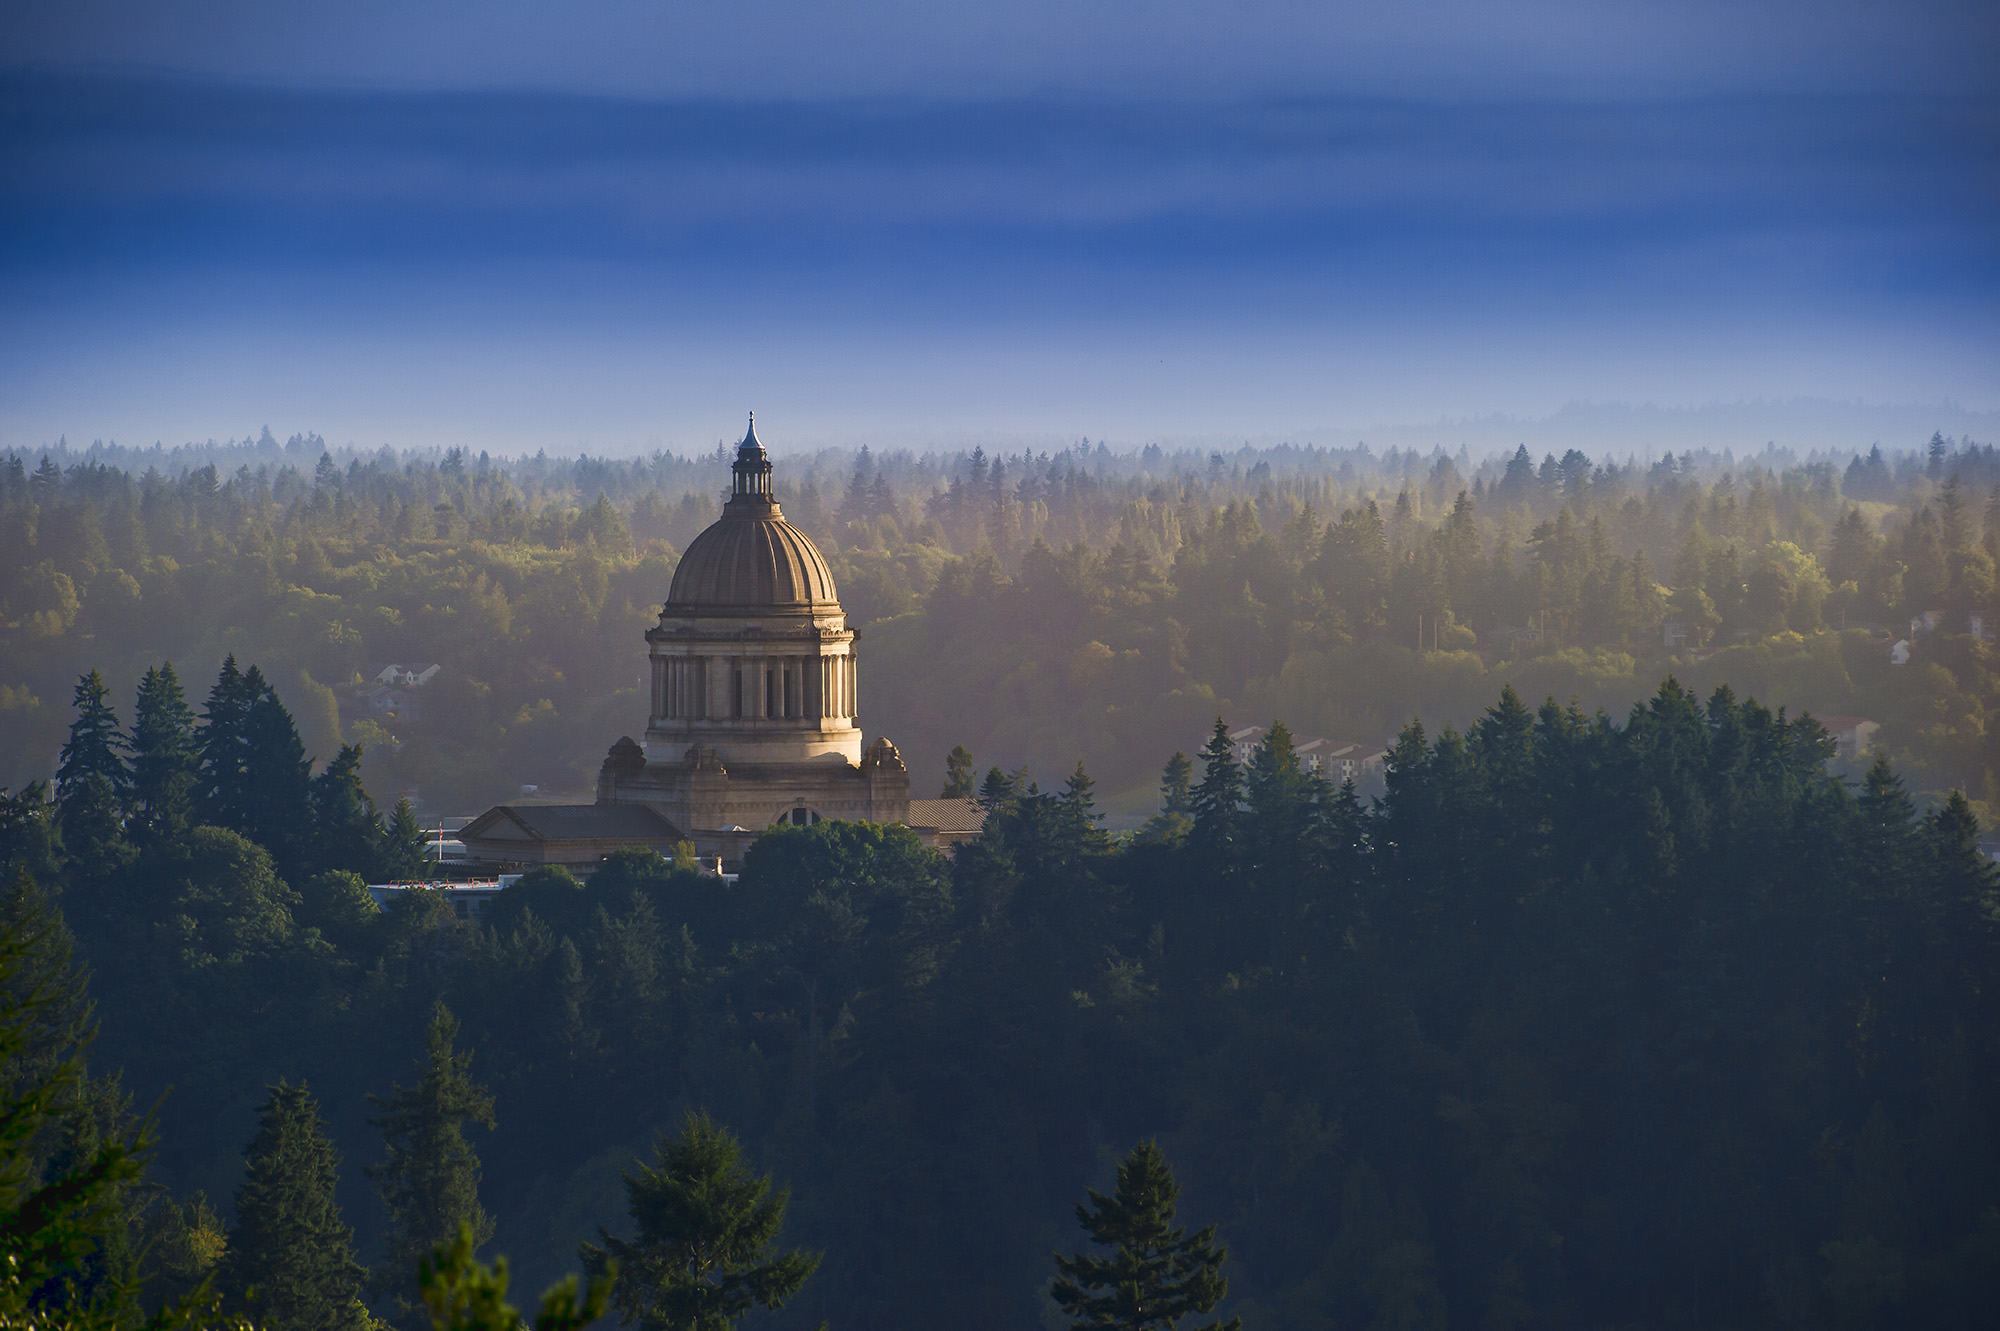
(1036, 608)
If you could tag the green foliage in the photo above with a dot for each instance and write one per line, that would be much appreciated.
(703, 1254)
(63, 1192)
(291, 1257)
(462, 1294)
(957, 774)
(1155, 1274)
(165, 756)
(429, 1178)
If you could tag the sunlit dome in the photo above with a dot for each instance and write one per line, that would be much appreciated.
(750, 558)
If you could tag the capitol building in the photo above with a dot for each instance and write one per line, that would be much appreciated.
(754, 716)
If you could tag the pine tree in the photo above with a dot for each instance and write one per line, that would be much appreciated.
(291, 1257)
(1217, 801)
(92, 783)
(166, 759)
(1279, 795)
(1172, 823)
(277, 777)
(703, 1255)
(225, 798)
(429, 1179)
(957, 774)
(403, 843)
(1077, 815)
(997, 790)
(64, 1184)
(463, 1294)
(1157, 1274)
(347, 829)
(96, 746)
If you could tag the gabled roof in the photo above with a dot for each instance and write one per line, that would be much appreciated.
(956, 815)
(570, 822)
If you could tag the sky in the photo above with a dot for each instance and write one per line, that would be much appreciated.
(617, 226)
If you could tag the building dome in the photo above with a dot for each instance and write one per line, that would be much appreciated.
(751, 559)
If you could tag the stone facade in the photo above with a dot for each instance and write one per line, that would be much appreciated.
(755, 687)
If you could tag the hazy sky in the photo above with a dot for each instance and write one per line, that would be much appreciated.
(617, 225)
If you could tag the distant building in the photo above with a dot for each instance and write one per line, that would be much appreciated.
(410, 676)
(1899, 652)
(754, 701)
(1853, 734)
(467, 900)
(575, 836)
(1244, 741)
(1338, 760)
(390, 704)
(947, 823)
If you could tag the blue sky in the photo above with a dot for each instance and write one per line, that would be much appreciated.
(619, 225)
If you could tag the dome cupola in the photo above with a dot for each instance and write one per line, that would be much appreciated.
(750, 560)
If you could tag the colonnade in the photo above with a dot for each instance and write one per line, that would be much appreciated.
(753, 687)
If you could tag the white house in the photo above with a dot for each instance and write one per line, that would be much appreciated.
(408, 676)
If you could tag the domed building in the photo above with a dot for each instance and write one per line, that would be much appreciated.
(754, 706)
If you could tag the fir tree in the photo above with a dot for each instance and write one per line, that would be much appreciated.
(997, 790)
(1172, 823)
(1218, 800)
(403, 843)
(703, 1255)
(1279, 796)
(277, 777)
(1156, 1274)
(225, 799)
(96, 746)
(166, 759)
(66, 1183)
(957, 774)
(429, 1179)
(1077, 815)
(291, 1257)
(463, 1294)
(347, 829)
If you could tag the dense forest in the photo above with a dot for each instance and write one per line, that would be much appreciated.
(1651, 1021)
(1038, 608)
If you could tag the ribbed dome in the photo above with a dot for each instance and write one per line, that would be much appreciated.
(750, 558)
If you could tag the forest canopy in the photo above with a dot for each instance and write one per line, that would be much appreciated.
(1034, 607)
(1651, 1021)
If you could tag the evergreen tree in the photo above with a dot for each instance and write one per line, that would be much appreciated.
(1077, 815)
(291, 1257)
(957, 774)
(997, 790)
(1279, 796)
(96, 749)
(704, 1254)
(166, 758)
(65, 1185)
(403, 843)
(1156, 1274)
(429, 1179)
(1172, 823)
(225, 798)
(1218, 800)
(347, 829)
(277, 777)
(463, 1294)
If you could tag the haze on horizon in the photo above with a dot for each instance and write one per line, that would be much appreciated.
(612, 227)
